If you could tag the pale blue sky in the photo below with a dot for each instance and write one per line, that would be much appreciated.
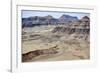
(30, 13)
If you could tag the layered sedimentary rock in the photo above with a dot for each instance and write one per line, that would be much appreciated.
(32, 54)
(78, 27)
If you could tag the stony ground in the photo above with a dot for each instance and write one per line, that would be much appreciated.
(39, 38)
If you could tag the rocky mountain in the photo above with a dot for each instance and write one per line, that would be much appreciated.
(47, 20)
(80, 28)
(83, 23)
(67, 18)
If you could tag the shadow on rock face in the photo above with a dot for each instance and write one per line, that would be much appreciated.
(32, 54)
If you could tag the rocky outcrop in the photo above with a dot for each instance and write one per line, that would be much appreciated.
(80, 27)
(46, 52)
(71, 30)
(67, 19)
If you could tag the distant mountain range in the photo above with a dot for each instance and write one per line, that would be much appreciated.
(74, 27)
(47, 20)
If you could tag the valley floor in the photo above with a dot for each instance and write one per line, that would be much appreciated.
(41, 38)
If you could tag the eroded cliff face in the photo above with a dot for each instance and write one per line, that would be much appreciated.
(45, 52)
(80, 29)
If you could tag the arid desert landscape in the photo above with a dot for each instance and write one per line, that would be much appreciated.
(46, 38)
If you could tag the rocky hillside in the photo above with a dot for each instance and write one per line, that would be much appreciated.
(65, 19)
(81, 28)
